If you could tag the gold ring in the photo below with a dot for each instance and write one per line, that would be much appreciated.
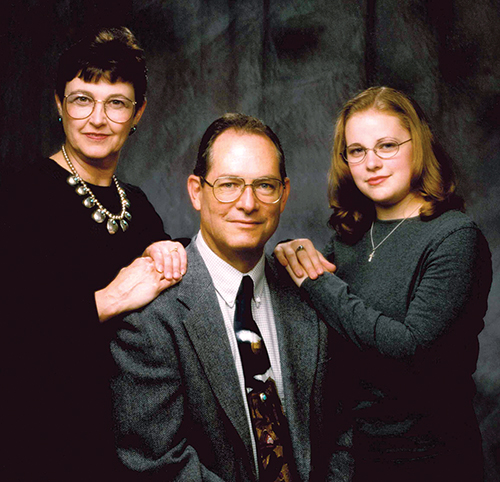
(299, 248)
(175, 249)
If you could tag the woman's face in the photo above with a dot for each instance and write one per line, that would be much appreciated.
(385, 181)
(97, 138)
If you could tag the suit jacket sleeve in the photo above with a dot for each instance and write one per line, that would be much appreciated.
(152, 426)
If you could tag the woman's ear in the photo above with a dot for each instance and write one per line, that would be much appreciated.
(140, 111)
(58, 104)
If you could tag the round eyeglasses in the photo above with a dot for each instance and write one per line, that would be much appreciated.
(118, 109)
(355, 153)
(228, 189)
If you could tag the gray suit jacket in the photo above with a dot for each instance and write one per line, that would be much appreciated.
(179, 409)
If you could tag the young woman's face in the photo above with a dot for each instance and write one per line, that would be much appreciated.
(385, 181)
(97, 138)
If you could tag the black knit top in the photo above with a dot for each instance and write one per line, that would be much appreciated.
(55, 357)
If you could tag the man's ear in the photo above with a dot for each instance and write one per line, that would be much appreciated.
(286, 193)
(195, 188)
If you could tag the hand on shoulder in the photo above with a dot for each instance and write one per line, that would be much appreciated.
(302, 260)
(169, 257)
(135, 286)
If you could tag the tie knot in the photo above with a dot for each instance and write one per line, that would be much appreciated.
(247, 287)
(245, 295)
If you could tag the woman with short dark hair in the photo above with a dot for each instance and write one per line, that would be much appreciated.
(81, 247)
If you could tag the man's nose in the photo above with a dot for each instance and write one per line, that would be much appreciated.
(247, 201)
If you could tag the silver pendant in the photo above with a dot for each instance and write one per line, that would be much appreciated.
(89, 202)
(98, 216)
(372, 254)
(123, 224)
(72, 180)
(81, 190)
(112, 226)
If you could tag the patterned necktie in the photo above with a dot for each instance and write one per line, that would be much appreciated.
(269, 422)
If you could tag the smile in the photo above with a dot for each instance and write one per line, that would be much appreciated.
(374, 181)
(96, 137)
(247, 223)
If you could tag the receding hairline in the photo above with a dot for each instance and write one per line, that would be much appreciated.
(241, 131)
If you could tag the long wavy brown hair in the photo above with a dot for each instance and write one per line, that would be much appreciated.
(433, 177)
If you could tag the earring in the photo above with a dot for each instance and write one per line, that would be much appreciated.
(60, 119)
(132, 130)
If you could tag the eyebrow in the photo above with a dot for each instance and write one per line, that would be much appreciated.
(266, 176)
(90, 94)
(379, 140)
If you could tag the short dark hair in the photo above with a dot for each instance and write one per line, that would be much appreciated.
(109, 53)
(241, 123)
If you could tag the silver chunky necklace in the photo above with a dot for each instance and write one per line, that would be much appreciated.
(100, 214)
(374, 248)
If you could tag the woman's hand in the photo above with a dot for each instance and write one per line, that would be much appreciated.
(134, 287)
(170, 258)
(302, 260)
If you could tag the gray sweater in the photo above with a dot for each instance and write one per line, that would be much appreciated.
(408, 323)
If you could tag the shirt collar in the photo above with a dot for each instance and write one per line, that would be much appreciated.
(226, 278)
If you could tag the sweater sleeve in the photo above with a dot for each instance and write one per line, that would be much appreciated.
(453, 285)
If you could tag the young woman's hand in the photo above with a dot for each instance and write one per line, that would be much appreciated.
(302, 260)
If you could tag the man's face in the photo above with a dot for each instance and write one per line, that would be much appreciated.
(238, 231)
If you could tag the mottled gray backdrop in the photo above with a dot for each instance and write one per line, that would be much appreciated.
(293, 63)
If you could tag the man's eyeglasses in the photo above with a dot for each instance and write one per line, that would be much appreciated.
(118, 109)
(229, 189)
(355, 153)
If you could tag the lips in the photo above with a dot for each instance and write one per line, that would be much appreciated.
(374, 181)
(95, 136)
(245, 222)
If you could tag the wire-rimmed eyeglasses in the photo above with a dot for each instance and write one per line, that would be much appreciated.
(356, 153)
(118, 109)
(228, 189)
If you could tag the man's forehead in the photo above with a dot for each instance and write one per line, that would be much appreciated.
(236, 153)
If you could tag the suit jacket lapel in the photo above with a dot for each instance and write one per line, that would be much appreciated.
(298, 335)
(205, 326)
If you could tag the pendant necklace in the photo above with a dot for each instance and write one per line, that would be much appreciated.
(374, 248)
(100, 214)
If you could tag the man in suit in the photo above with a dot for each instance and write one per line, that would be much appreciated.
(184, 409)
